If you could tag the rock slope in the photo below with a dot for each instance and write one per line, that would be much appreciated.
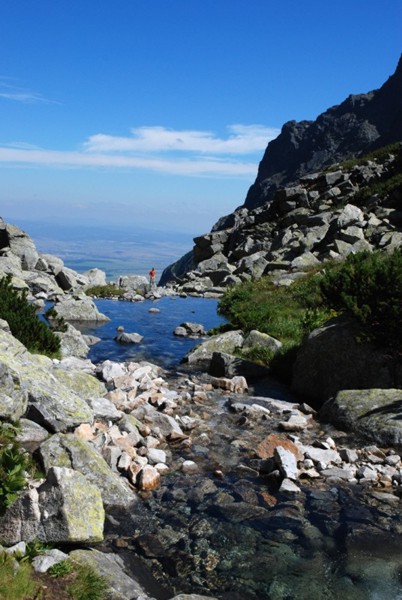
(325, 216)
(294, 175)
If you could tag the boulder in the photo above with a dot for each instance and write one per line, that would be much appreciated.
(71, 508)
(70, 280)
(54, 264)
(374, 413)
(134, 283)
(95, 277)
(227, 365)
(30, 435)
(22, 246)
(256, 338)
(72, 342)
(43, 562)
(82, 309)
(227, 342)
(13, 396)
(51, 403)
(331, 360)
(188, 329)
(66, 450)
(128, 338)
(65, 508)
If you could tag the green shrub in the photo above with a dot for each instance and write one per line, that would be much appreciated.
(23, 321)
(288, 313)
(368, 286)
(13, 467)
(105, 291)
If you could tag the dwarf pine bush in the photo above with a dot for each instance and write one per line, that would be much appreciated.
(23, 321)
(368, 286)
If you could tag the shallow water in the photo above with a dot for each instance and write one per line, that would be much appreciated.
(237, 538)
(159, 345)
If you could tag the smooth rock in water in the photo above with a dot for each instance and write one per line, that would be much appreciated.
(294, 423)
(286, 462)
(149, 478)
(225, 342)
(266, 448)
(289, 487)
(128, 338)
(189, 467)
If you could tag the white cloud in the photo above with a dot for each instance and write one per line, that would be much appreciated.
(242, 139)
(197, 167)
(157, 149)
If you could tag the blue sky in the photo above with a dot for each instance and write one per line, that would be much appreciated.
(156, 113)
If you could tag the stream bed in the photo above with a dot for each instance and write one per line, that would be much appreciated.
(226, 531)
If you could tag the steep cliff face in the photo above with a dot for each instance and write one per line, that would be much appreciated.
(357, 126)
(256, 237)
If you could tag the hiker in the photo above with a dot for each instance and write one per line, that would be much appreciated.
(152, 274)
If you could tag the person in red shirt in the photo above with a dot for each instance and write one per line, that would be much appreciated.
(152, 274)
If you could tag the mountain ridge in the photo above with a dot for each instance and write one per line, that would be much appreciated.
(358, 125)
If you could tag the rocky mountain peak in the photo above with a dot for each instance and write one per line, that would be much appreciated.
(358, 125)
(293, 176)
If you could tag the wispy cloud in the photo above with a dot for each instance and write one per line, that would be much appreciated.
(157, 149)
(9, 91)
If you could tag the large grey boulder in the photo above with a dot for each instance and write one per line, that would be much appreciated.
(68, 279)
(373, 413)
(331, 360)
(13, 396)
(227, 365)
(71, 508)
(256, 338)
(227, 342)
(51, 402)
(65, 508)
(22, 246)
(67, 450)
(134, 283)
(54, 264)
(82, 309)
(72, 342)
(95, 277)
